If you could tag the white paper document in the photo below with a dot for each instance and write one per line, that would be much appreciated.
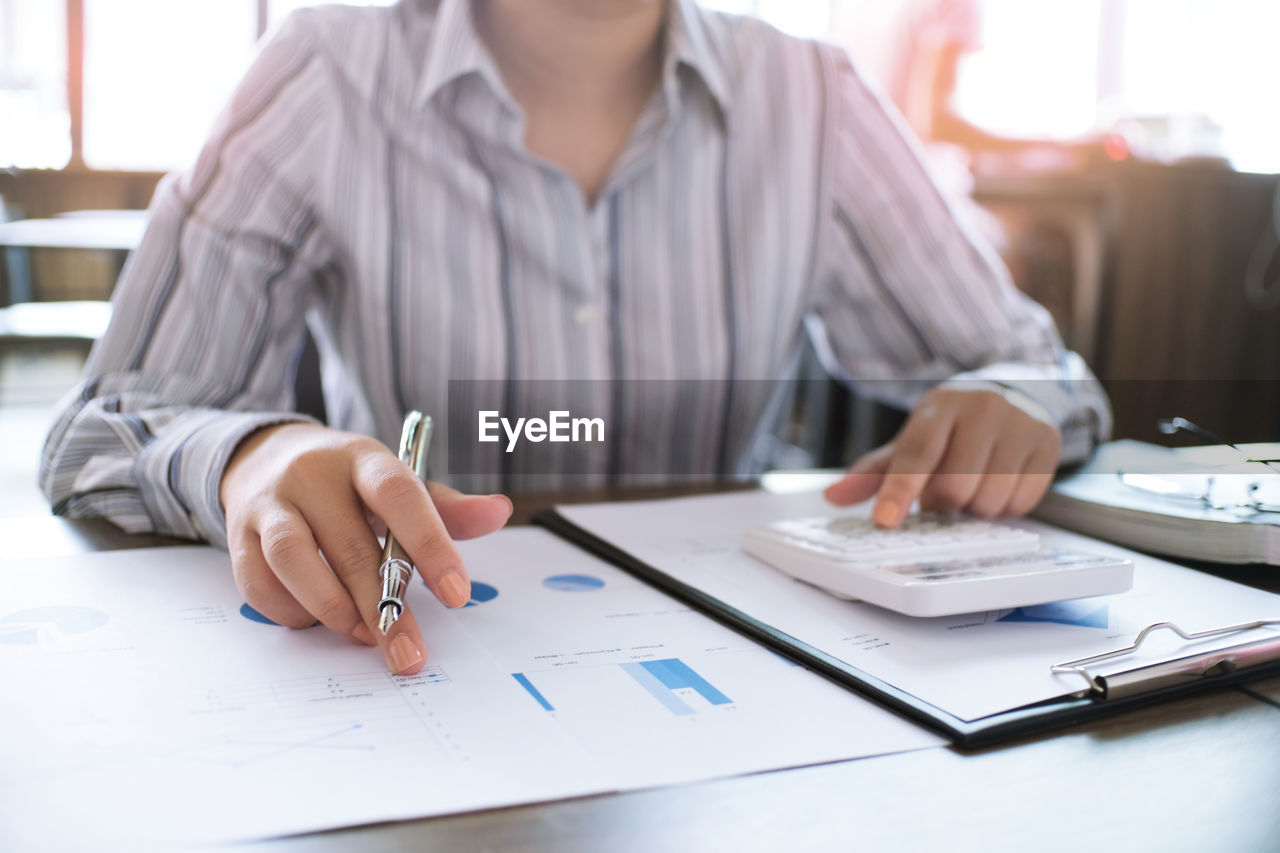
(143, 702)
(972, 665)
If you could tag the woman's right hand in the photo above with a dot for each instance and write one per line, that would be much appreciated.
(295, 492)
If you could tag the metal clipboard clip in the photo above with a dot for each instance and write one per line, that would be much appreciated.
(1192, 667)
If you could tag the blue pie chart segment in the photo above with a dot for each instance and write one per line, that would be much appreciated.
(254, 616)
(573, 583)
(480, 593)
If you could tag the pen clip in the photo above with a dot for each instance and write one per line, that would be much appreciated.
(415, 438)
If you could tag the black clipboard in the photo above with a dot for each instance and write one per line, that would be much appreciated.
(1100, 697)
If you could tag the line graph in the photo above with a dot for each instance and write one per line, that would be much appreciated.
(244, 750)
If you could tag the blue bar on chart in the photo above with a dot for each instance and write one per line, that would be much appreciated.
(646, 679)
(1085, 613)
(533, 691)
(675, 673)
(663, 677)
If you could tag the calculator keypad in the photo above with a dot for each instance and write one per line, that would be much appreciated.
(854, 539)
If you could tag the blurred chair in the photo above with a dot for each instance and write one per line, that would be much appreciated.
(75, 323)
(27, 322)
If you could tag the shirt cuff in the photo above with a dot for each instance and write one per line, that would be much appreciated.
(1069, 397)
(181, 469)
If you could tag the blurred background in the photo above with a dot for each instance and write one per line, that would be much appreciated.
(1121, 154)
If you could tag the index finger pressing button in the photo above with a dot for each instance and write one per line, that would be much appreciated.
(917, 452)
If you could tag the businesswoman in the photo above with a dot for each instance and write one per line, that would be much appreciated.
(514, 190)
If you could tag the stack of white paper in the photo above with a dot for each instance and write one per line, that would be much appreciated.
(143, 702)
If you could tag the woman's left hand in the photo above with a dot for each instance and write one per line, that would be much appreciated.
(959, 450)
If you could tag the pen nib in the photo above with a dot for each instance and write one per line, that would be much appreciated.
(389, 617)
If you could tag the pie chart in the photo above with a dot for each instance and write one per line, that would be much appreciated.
(573, 583)
(27, 627)
(480, 593)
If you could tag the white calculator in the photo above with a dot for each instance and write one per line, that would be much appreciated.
(933, 565)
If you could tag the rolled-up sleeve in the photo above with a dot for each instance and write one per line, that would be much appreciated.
(208, 316)
(908, 297)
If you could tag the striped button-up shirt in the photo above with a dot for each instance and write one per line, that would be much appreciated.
(369, 179)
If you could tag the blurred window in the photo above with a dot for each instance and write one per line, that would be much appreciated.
(156, 72)
(1198, 77)
(1184, 77)
(155, 75)
(1178, 77)
(35, 123)
(1181, 77)
(1023, 83)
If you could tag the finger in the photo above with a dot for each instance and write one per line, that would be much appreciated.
(353, 551)
(1001, 477)
(946, 493)
(993, 495)
(469, 516)
(261, 589)
(917, 451)
(403, 646)
(959, 475)
(862, 479)
(294, 557)
(391, 490)
(1036, 479)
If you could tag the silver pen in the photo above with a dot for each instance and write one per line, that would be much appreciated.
(397, 568)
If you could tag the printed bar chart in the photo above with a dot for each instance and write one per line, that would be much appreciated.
(662, 678)
(533, 691)
(670, 681)
(646, 679)
(676, 674)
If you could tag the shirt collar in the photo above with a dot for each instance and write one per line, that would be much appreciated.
(689, 44)
(456, 51)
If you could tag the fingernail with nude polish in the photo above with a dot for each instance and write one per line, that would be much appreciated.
(886, 514)
(402, 654)
(456, 591)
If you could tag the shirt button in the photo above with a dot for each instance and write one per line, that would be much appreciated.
(586, 315)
